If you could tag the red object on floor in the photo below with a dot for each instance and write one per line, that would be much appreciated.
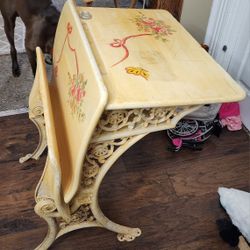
(229, 115)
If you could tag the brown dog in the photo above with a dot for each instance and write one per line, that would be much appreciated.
(40, 19)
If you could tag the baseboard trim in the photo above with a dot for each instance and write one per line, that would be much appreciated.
(13, 112)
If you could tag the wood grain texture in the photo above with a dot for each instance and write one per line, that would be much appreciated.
(171, 196)
(79, 100)
(147, 59)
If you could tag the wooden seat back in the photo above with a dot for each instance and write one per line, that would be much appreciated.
(78, 97)
(50, 182)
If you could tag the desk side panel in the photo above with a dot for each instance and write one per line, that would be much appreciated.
(79, 96)
(53, 180)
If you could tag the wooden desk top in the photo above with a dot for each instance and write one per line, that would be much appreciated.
(147, 59)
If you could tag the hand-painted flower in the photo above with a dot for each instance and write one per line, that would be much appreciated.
(69, 28)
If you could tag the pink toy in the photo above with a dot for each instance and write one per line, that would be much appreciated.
(229, 115)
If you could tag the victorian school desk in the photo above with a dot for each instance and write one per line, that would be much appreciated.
(118, 75)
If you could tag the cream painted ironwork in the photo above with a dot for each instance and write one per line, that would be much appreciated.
(92, 112)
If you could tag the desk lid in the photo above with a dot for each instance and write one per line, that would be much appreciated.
(148, 59)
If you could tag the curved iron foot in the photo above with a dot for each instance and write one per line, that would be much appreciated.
(39, 122)
(44, 209)
(129, 237)
(103, 155)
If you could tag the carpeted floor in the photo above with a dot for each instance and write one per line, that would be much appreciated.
(14, 92)
(19, 35)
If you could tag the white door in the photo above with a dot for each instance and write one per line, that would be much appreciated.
(228, 36)
(242, 75)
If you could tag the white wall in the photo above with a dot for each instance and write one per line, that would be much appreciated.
(194, 18)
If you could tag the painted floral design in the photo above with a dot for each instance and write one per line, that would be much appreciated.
(76, 93)
(149, 27)
(76, 83)
(155, 27)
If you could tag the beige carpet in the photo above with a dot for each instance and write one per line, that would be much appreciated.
(19, 37)
(14, 91)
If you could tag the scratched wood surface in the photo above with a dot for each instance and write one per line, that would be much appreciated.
(171, 196)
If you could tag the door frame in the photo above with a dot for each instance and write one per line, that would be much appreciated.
(223, 19)
(220, 31)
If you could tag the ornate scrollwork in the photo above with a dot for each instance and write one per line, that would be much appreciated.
(118, 119)
(101, 151)
(83, 214)
(137, 119)
(97, 155)
(46, 206)
(131, 119)
(37, 111)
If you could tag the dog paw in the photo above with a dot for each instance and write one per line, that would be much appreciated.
(16, 72)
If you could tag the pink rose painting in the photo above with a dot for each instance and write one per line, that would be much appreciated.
(77, 93)
(76, 83)
(147, 26)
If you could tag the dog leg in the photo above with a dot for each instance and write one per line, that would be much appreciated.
(32, 59)
(116, 2)
(9, 27)
(133, 3)
(88, 3)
